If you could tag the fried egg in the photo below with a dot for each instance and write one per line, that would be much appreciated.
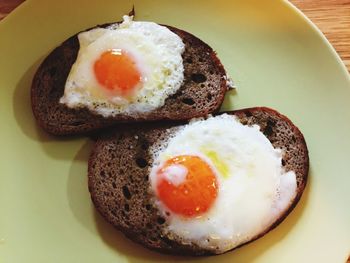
(127, 68)
(219, 183)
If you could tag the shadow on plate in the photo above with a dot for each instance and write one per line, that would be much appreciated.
(228, 103)
(84, 211)
(55, 147)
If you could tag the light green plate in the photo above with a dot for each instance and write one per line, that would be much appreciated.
(277, 59)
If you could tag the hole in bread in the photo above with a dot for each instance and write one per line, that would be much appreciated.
(198, 78)
(114, 212)
(189, 60)
(160, 220)
(268, 131)
(148, 207)
(126, 192)
(248, 114)
(176, 95)
(271, 122)
(126, 207)
(283, 162)
(77, 123)
(114, 185)
(102, 174)
(144, 145)
(188, 101)
(209, 97)
(141, 162)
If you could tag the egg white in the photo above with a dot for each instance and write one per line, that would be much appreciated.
(157, 53)
(253, 187)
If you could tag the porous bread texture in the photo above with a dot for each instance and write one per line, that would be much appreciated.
(119, 169)
(282, 135)
(202, 92)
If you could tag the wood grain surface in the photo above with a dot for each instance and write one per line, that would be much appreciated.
(331, 16)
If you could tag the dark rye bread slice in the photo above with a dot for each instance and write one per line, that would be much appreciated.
(119, 168)
(202, 92)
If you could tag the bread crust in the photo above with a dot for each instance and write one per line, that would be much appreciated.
(197, 96)
(116, 153)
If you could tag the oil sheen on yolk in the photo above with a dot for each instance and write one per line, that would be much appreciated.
(117, 72)
(196, 194)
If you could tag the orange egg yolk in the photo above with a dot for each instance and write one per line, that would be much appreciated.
(117, 72)
(195, 194)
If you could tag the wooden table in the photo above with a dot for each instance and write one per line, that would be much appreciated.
(331, 16)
